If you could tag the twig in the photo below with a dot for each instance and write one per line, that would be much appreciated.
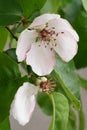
(15, 37)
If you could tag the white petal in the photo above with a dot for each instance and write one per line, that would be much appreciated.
(25, 40)
(41, 59)
(62, 25)
(24, 103)
(43, 19)
(66, 46)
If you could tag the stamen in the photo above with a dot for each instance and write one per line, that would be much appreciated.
(47, 35)
(51, 49)
(46, 24)
(53, 27)
(29, 29)
(47, 86)
(57, 34)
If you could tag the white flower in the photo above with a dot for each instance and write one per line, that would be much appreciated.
(47, 33)
(24, 103)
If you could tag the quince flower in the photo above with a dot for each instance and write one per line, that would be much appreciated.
(46, 35)
(24, 102)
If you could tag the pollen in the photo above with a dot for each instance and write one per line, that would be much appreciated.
(47, 86)
(45, 35)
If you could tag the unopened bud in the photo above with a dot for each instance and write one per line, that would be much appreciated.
(43, 79)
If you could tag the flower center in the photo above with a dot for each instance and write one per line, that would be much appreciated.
(45, 35)
(47, 86)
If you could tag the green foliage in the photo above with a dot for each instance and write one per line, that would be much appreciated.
(65, 74)
(30, 6)
(45, 103)
(51, 6)
(3, 37)
(60, 112)
(10, 81)
(12, 54)
(72, 121)
(5, 125)
(80, 25)
(72, 9)
(84, 4)
(83, 83)
(81, 120)
(64, 3)
(10, 12)
(13, 11)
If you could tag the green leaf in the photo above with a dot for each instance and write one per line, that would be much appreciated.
(83, 83)
(64, 3)
(12, 53)
(72, 121)
(80, 25)
(60, 112)
(72, 9)
(29, 6)
(84, 4)
(65, 74)
(81, 120)
(10, 81)
(51, 6)
(45, 103)
(5, 125)
(3, 37)
(10, 12)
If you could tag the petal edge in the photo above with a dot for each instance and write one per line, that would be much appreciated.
(24, 103)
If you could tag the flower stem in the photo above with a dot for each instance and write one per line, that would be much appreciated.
(81, 120)
(15, 37)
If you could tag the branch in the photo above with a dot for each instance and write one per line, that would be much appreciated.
(15, 37)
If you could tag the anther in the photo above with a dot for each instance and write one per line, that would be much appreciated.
(57, 34)
(51, 49)
(29, 29)
(53, 27)
(55, 45)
